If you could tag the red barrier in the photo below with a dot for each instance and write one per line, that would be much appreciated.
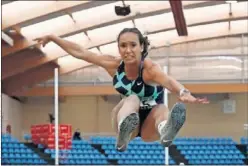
(45, 135)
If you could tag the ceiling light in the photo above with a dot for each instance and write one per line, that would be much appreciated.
(231, 1)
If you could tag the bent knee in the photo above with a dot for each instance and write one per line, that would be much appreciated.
(133, 101)
(133, 98)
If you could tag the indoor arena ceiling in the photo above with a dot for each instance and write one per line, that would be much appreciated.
(95, 25)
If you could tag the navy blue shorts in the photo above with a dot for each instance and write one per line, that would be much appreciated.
(143, 113)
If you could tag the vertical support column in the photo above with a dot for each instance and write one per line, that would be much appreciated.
(243, 74)
(168, 51)
(166, 150)
(56, 108)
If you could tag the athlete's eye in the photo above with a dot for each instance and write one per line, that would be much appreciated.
(123, 45)
(134, 44)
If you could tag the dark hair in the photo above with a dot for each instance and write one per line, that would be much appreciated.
(142, 40)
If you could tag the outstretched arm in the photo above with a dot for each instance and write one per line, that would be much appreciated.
(77, 51)
(158, 76)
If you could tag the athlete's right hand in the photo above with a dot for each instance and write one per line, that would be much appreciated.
(43, 40)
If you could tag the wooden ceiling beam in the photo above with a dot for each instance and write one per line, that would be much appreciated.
(180, 22)
(28, 79)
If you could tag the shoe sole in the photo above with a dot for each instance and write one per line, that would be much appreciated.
(129, 124)
(176, 120)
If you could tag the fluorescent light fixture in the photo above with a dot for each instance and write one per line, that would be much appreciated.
(69, 61)
(154, 23)
(231, 1)
(110, 49)
(80, 38)
(55, 26)
(107, 34)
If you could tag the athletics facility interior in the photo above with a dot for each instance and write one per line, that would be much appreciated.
(48, 96)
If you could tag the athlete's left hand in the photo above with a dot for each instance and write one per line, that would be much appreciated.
(188, 98)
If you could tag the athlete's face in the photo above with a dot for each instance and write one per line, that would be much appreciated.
(130, 48)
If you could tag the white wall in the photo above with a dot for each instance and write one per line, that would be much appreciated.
(92, 114)
(12, 114)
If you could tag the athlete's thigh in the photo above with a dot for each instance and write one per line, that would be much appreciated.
(114, 114)
(131, 105)
(123, 109)
(149, 130)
